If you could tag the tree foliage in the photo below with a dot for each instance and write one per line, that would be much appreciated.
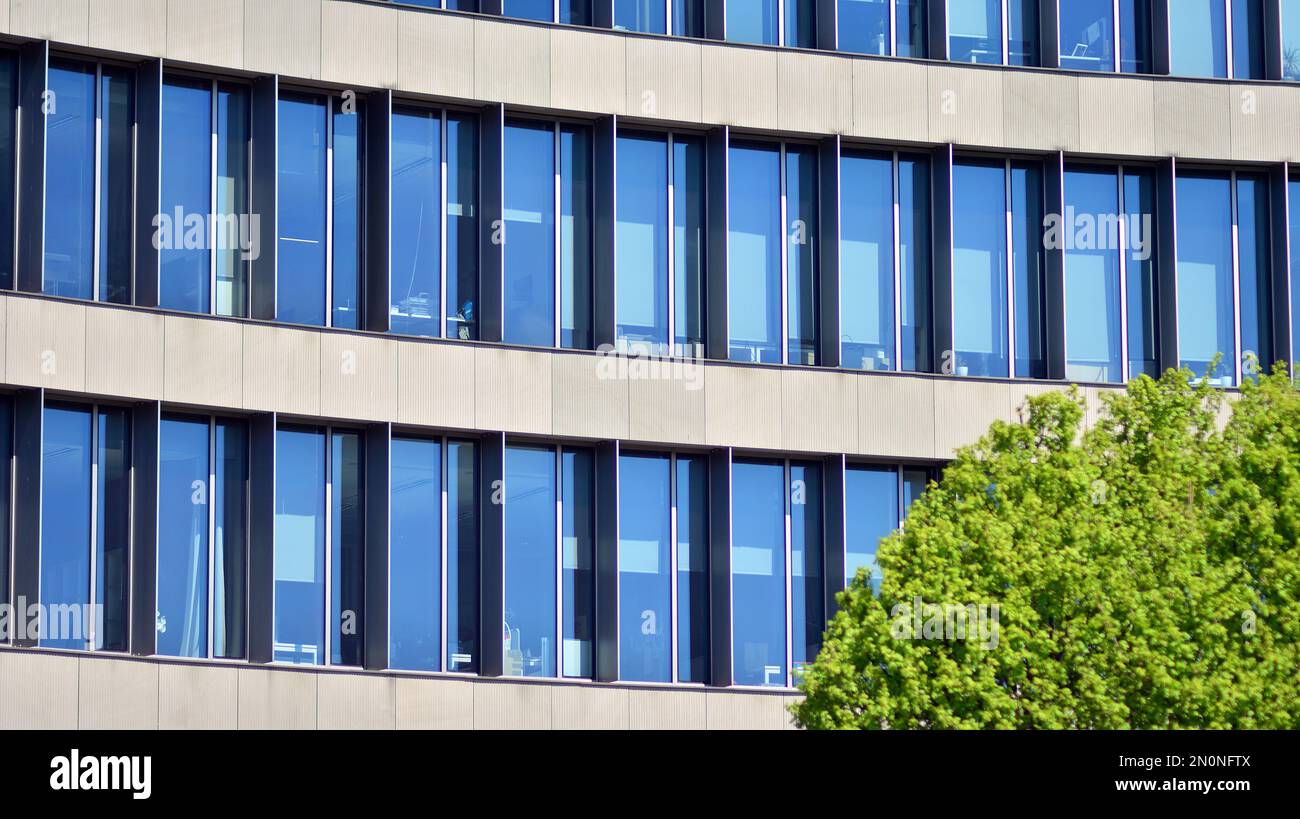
(1145, 572)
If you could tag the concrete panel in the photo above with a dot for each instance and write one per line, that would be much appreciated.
(965, 105)
(589, 708)
(45, 343)
(964, 410)
(281, 369)
(124, 352)
(435, 54)
(358, 377)
(663, 79)
(505, 705)
(588, 71)
(896, 416)
(666, 710)
(203, 361)
(283, 37)
(742, 407)
(433, 704)
(512, 390)
(435, 385)
(356, 701)
(588, 396)
(819, 411)
(211, 32)
(1117, 115)
(134, 26)
(359, 44)
(668, 409)
(1192, 119)
(738, 86)
(1263, 120)
(1040, 110)
(814, 92)
(891, 100)
(37, 691)
(63, 21)
(276, 699)
(4, 15)
(790, 700)
(116, 694)
(1018, 394)
(198, 697)
(512, 63)
(737, 711)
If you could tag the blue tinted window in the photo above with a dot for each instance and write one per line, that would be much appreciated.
(1206, 325)
(347, 548)
(979, 269)
(975, 31)
(113, 526)
(70, 182)
(754, 21)
(574, 12)
(688, 18)
(1198, 39)
(185, 272)
(692, 501)
(1140, 262)
(415, 555)
(230, 544)
(6, 490)
(645, 568)
(543, 10)
(1087, 31)
(417, 222)
(1290, 24)
(1022, 32)
(462, 557)
(1135, 36)
(529, 286)
(575, 236)
(758, 573)
(800, 24)
(183, 498)
(1295, 272)
(1027, 269)
(910, 30)
(870, 513)
(914, 263)
(1248, 39)
(233, 253)
(531, 630)
(578, 533)
(300, 546)
(8, 165)
(1253, 267)
(642, 240)
(300, 285)
(688, 240)
(864, 26)
(462, 226)
(641, 15)
(807, 589)
(1093, 321)
(117, 177)
(65, 522)
(348, 213)
(754, 253)
(867, 261)
(801, 226)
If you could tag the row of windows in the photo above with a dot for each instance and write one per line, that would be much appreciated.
(783, 567)
(1203, 38)
(994, 316)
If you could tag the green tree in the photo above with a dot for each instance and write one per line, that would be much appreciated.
(1145, 573)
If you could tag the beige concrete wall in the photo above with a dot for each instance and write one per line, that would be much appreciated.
(470, 57)
(41, 689)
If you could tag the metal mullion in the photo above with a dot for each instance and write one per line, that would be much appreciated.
(212, 201)
(96, 208)
(327, 648)
(788, 670)
(1227, 25)
(672, 564)
(1010, 271)
(555, 11)
(1236, 283)
(444, 455)
(1006, 43)
(557, 235)
(212, 528)
(559, 562)
(1123, 277)
(672, 250)
(668, 17)
(780, 22)
(94, 529)
(897, 360)
(442, 238)
(892, 48)
(785, 264)
(329, 210)
(1117, 45)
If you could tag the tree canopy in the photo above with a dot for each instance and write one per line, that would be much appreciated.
(1145, 574)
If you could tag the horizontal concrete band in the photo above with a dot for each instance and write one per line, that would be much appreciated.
(246, 366)
(470, 57)
(47, 690)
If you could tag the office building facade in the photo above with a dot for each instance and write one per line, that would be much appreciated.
(525, 363)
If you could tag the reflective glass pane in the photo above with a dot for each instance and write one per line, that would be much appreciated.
(113, 527)
(183, 497)
(975, 31)
(1198, 39)
(802, 230)
(800, 24)
(1028, 269)
(807, 588)
(642, 238)
(641, 15)
(233, 254)
(347, 549)
(753, 21)
(914, 263)
(529, 287)
(575, 236)
(1294, 227)
(65, 525)
(1093, 321)
(543, 10)
(185, 273)
(979, 269)
(70, 181)
(754, 253)
(688, 18)
(462, 557)
(1206, 326)
(1135, 36)
(645, 568)
(462, 226)
(870, 514)
(1291, 39)
(346, 248)
(758, 573)
(1140, 264)
(415, 554)
(692, 501)
(299, 569)
(1248, 39)
(414, 283)
(910, 31)
(117, 179)
(1022, 32)
(6, 492)
(531, 587)
(914, 483)
(300, 266)
(1253, 270)
(1087, 32)
(575, 12)
(864, 26)
(578, 519)
(867, 261)
(230, 546)
(688, 240)
(8, 165)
